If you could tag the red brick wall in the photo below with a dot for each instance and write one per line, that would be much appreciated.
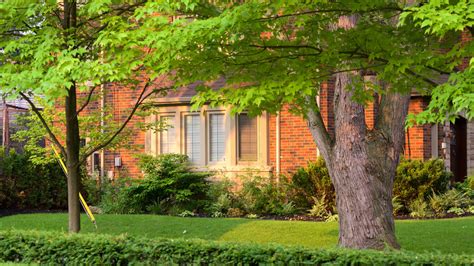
(418, 138)
(121, 99)
(296, 143)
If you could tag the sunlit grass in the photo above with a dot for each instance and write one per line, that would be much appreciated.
(446, 235)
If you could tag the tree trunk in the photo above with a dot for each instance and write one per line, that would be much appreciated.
(362, 162)
(362, 165)
(72, 162)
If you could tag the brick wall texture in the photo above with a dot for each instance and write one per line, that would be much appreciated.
(296, 144)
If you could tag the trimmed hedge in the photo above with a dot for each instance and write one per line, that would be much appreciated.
(60, 248)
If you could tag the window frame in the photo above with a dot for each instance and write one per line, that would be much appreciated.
(175, 145)
(184, 145)
(209, 113)
(237, 139)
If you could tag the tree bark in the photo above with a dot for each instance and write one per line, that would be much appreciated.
(362, 162)
(362, 166)
(72, 163)
(73, 138)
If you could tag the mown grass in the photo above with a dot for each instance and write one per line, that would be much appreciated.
(445, 235)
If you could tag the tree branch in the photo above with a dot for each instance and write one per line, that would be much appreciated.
(286, 47)
(141, 98)
(390, 119)
(45, 124)
(335, 10)
(317, 128)
(89, 96)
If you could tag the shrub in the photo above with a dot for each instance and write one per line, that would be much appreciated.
(419, 209)
(312, 182)
(263, 196)
(397, 205)
(221, 198)
(54, 248)
(453, 201)
(114, 196)
(416, 179)
(25, 185)
(168, 187)
(470, 182)
(320, 208)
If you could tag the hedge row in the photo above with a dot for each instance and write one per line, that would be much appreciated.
(59, 248)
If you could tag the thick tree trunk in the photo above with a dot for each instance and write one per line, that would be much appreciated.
(364, 197)
(362, 162)
(72, 163)
(362, 166)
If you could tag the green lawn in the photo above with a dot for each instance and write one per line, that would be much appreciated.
(446, 236)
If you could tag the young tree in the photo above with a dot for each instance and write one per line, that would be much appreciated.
(282, 52)
(57, 50)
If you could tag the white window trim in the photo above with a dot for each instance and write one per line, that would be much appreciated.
(231, 162)
(208, 114)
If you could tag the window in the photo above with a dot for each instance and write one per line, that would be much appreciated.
(216, 138)
(192, 137)
(247, 138)
(167, 135)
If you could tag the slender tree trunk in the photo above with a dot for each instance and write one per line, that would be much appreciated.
(72, 163)
(72, 130)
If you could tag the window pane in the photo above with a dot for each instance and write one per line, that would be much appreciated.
(247, 138)
(216, 137)
(193, 138)
(167, 135)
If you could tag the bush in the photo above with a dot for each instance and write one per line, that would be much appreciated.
(114, 196)
(168, 187)
(313, 182)
(416, 179)
(453, 201)
(264, 196)
(419, 209)
(54, 248)
(24, 185)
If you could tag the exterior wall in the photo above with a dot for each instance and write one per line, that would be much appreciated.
(120, 100)
(470, 148)
(296, 143)
(418, 138)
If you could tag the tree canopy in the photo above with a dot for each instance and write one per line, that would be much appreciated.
(277, 53)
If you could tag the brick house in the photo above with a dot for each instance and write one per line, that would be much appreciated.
(270, 144)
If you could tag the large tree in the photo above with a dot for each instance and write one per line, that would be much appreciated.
(280, 53)
(59, 50)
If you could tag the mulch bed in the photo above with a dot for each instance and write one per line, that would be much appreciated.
(9, 212)
(296, 217)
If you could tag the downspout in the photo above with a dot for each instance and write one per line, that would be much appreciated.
(277, 139)
(6, 123)
(102, 125)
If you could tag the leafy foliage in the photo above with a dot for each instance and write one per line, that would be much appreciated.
(313, 185)
(54, 248)
(452, 199)
(444, 19)
(26, 185)
(416, 179)
(264, 196)
(168, 187)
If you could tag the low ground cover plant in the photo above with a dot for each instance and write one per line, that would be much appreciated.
(54, 248)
